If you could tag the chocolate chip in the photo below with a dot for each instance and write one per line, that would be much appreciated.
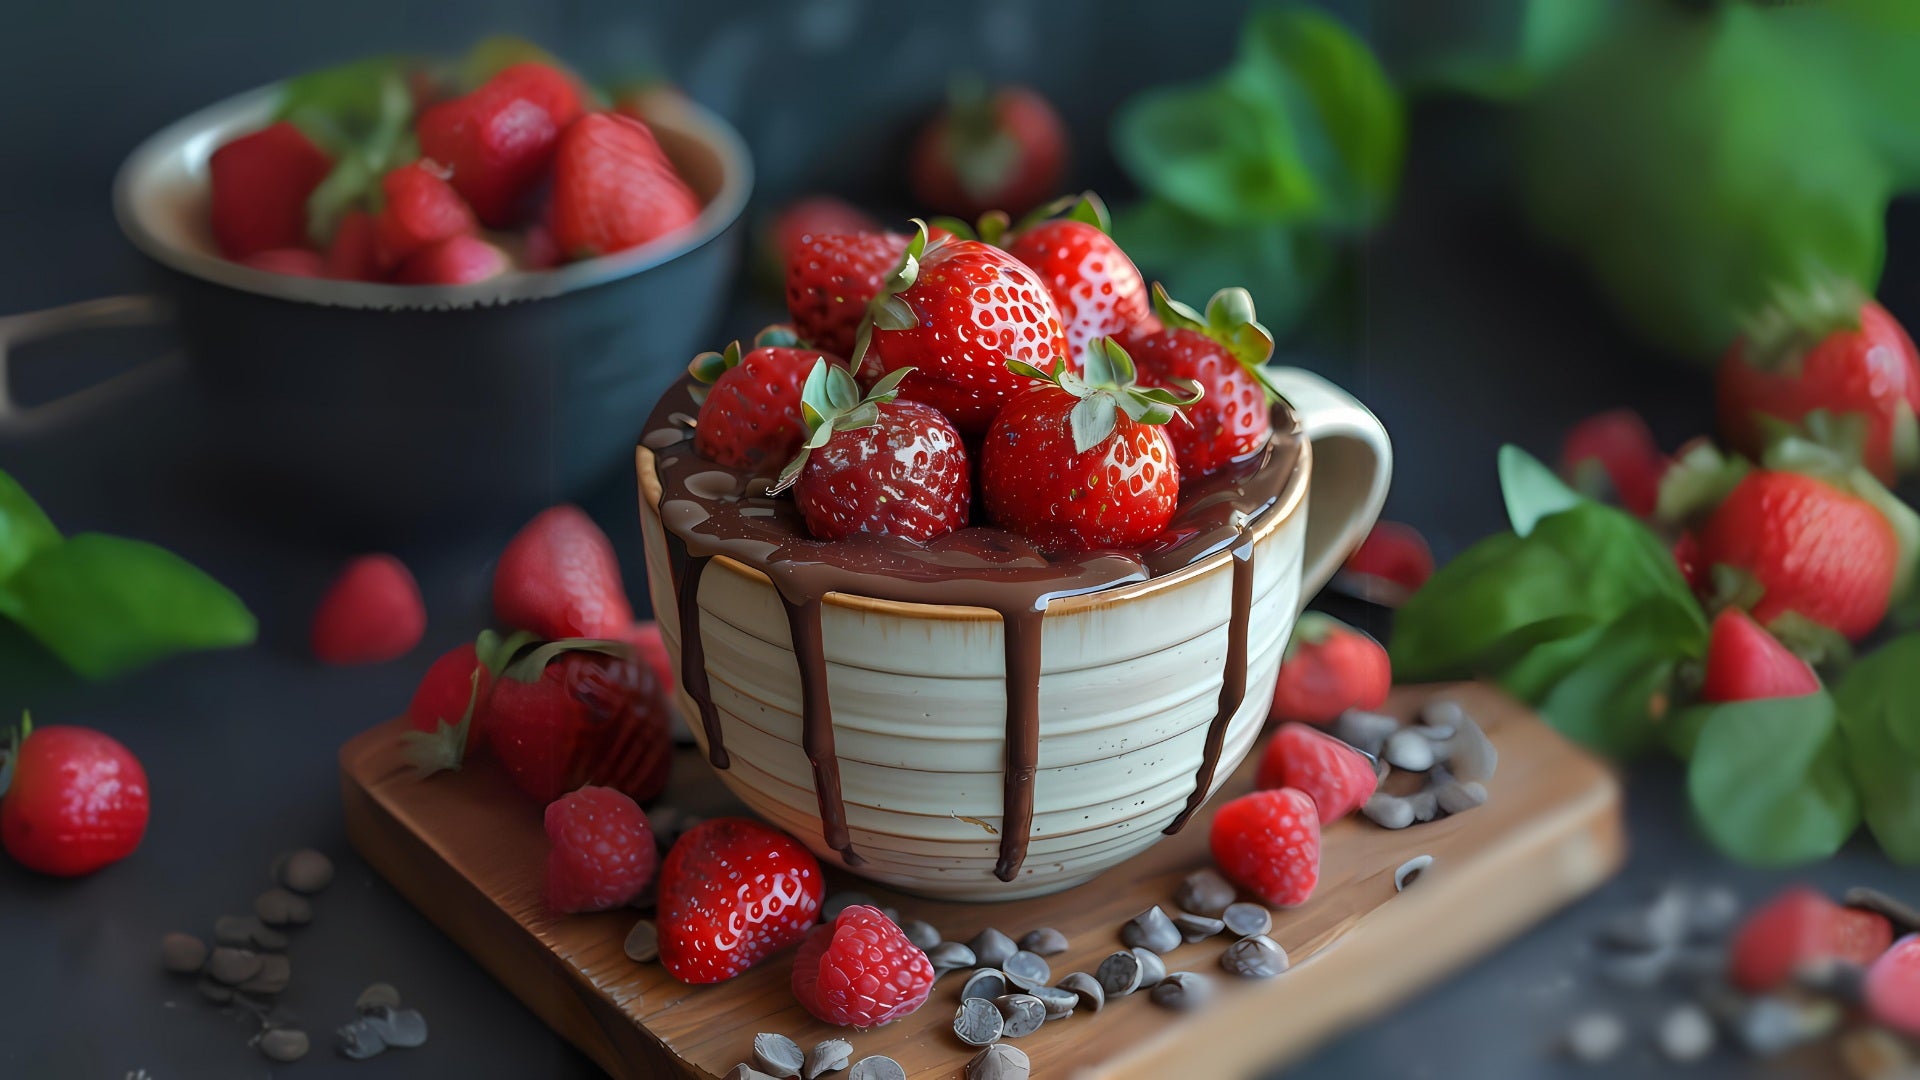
(1045, 941)
(986, 983)
(1023, 1014)
(1830, 976)
(1027, 970)
(267, 939)
(1182, 990)
(285, 1044)
(234, 966)
(216, 992)
(358, 1040)
(991, 948)
(307, 871)
(1409, 750)
(1060, 1003)
(1197, 927)
(275, 973)
(879, 1067)
(1716, 910)
(1596, 1038)
(1093, 996)
(1152, 968)
(1000, 1062)
(1458, 796)
(404, 1028)
(1119, 974)
(978, 1022)
(1904, 916)
(841, 901)
(1365, 731)
(923, 934)
(1686, 1034)
(278, 907)
(1247, 920)
(827, 1057)
(776, 1055)
(1388, 811)
(182, 954)
(1410, 872)
(643, 942)
(952, 956)
(1257, 957)
(377, 996)
(1151, 929)
(1205, 892)
(747, 1072)
(235, 930)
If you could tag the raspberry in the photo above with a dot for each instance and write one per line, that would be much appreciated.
(861, 971)
(1338, 778)
(1269, 843)
(603, 853)
(1893, 987)
(1801, 925)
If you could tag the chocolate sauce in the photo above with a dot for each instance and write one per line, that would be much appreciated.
(708, 511)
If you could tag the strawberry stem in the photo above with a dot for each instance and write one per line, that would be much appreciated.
(1107, 388)
(830, 402)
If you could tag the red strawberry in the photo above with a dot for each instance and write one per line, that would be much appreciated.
(371, 613)
(1745, 663)
(259, 187)
(499, 140)
(817, 216)
(1813, 549)
(559, 578)
(1269, 844)
(1338, 778)
(421, 209)
(956, 312)
(293, 262)
(831, 279)
(751, 415)
(1094, 285)
(538, 249)
(652, 651)
(861, 971)
(1893, 987)
(1832, 353)
(614, 189)
(1799, 926)
(447, 718)
(982, 152)
(732, 893)
(448, 688)
(457, 260)
(566, 715)
(352, 256)
(601, 854)
(1615, 451)
(1224, 352)
(1078, 464)
(1395, 555)
(72, 800)
(1329, 668)
(877, 465)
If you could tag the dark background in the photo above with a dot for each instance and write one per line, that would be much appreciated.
(1463, 336)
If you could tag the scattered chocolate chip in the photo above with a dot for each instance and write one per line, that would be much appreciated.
(1152, 968)
(1904, 916)
(776, 1055)
(1205, 892)
(978, 1022)
(216, 992)
(1365, 731)
(951, 956)
(307, 871)
(278, 907)
(377, 996)
(879, 1067)
(1022, 1014)
(1686, 1034)
(285, 1044)
(643, 942)
(183, 954)
(1197, 927)
(1247, 920)
(1408, 749)
(1045, 941)
(1458, 796)
(827, 1057)
(1470, 756)
(991, 948)
(403, 1028)
(1182, 990)
(986, 983)
(1425, 804)
(1410, 872)
(923, 934)
(1715, 911)
(1388, 811)
(234, 966)
(1830, 976)
(275, 973)
(1596, 1038)
(1060, 1003)
(1258, 957)
(1638, 971)
(1661, 924)
(1093, 996)
(747, 1072)
(358, 1040)
(235, 930)
(1151, 929)
(1027, 970)
(1119, 974)
(1000, 1062)
(267, 939)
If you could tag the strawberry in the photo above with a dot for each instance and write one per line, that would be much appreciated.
(371, 613)
(751, 414)
(1338, 778)
(1329, 668)
(259, 185)
(831, 279)
(874, 464)
(614, 189)
(538, 249)
(1006, 150)
(1614, 451)
(804, 219)
(1269, 844)
(1096, 288)
(580, 712)
(352, 255)
(293, 262)
(447, 716)
(1395, 561)
(601, 854)
(652, 651)
(452, 683)
(957, 311)
(1830, 360)
(499, 140)
(1080, 463)
(1223, 352)
(732, 893)
(1745, 663)
(1893, 987)
(860, 971)
(457, 260)
(72, 800)
(421, 209)
(1799, 926)
(558, 578)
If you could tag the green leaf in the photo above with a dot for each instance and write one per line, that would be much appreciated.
(1497, 49)
(1093, 419)
(1882, 728)
(1284, 265)
(106, 605)
(1618, 694)
(1222, 152)
(361, 113)
(1768, 780)
(25, 530)
(1531, 490)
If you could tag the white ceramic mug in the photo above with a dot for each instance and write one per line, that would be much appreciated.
(1130, 679)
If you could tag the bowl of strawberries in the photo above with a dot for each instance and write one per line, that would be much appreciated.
(415, 292)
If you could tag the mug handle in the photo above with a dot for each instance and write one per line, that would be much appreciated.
(1352, 466)
(110, 311)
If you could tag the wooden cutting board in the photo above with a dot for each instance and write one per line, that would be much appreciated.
(469, 851)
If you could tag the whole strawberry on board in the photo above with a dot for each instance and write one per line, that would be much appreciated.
(447, 716)
(959, 313)
(72, 800)
(1001, 150)
(874, 464)
(1224, 352)
(1745, 663)
(574, 712)
(831, 279)
(1329, 667)
(614, 188)
(1615, 453)
(1095, 286)
(860, 970)
(1830, 363)
(559, 578)
(750, 412)
(732, 893)
(601, 853)
(1268, 843)
(498, 142)
(1082, 462)
(259, 185)
(1338, 778)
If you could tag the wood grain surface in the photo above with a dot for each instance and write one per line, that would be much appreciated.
(468, 850)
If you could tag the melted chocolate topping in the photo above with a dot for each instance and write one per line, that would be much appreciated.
(708, 511)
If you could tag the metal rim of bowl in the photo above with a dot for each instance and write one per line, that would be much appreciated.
(247, 109)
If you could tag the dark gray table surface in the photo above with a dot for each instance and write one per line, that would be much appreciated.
(1468, 337)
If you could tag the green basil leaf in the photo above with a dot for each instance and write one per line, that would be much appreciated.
(105, 605)
(1284, 266)
(1617, 695)
(1498, 49)
(25, 530)
(1881, 721)
(1769, 781)
(1531, 490)
(1221, 152)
